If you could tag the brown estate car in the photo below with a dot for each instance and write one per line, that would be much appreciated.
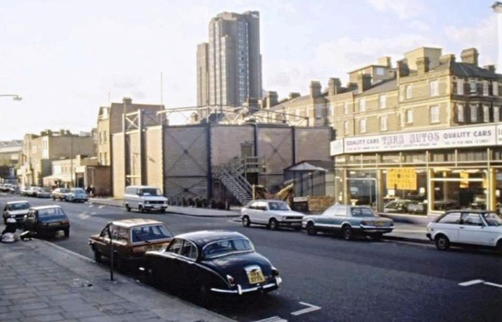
(131, 239)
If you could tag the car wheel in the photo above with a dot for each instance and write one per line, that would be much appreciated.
(128, 209)
(245, 221)
(347, 232)
(273, 224)
(66, 232)
(97, 256)
(311, 229)
(499, 247)
(442, 242)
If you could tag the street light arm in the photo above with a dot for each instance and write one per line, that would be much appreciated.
(14, 96)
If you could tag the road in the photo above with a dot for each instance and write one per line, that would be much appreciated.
(329, 279)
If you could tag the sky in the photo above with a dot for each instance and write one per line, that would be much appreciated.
(66, 58)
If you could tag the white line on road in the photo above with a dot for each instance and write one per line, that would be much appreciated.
(311, 308)
(469, 283)
(90, 206)
(101, 207)
(493, 284)
(273, 319)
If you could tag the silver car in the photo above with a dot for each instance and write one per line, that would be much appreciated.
(271, 213)
(350, 221)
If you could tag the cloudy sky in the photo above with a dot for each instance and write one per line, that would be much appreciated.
(66, 58)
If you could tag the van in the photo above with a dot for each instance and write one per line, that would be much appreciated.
(144, 198)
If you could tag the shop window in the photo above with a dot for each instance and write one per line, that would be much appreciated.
(405, 191)
(390, 158)
(443, 156)
(369, 158)
(341, 159)
(354, 159)
(362, 188)
(472, 155)
(459, 189)
(414, 157)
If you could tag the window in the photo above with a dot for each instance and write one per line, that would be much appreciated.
(362, 105)
(346, 127)
(189, 250)
(383, 101)
(495, 89)
(362, 125)
(175, 246)
(409, 116)
(486, 113)
(453, 218)
(409, 91)
(341, 211)
(380, 71)
(496, 114)
(460, 86)
(434, 88)
(472, 86)
(318, 111)
(474, 112)
(346, 108)
(434, 114)
(460, 113)
(485, 88)
(472, 220)
(383, 123)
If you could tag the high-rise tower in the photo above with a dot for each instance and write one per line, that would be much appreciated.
(229, 65)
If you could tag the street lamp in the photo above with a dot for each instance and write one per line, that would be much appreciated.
(14, 96)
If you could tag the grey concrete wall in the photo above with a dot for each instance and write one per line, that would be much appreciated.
(312, 143)
(226, 141)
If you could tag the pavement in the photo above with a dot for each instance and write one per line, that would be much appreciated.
(44, 282)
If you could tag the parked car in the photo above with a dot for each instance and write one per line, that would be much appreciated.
(399, 206)
(46, 220)
(77, 195)
(14, 189)
(43, 193)
(272, 213)
(350, 221)
(16, 210)
(144, 198)
(60, 194)
(218, 262)
(32, 191)
(23, 191)
(131, 239)
(466, 227)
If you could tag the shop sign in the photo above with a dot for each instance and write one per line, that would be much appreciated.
(435, 139)
(336, 147)
(402, 179)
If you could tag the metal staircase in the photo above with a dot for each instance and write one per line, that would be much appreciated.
(233, 176)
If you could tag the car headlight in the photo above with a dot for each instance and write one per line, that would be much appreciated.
(275, 271)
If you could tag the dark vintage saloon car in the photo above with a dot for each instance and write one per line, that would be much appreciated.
(47, 220)
(218, 262)
(131, 239)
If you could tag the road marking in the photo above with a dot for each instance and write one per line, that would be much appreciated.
(94, 213)
(90, 206)
(83, 216)
(469, 283)
(493, 284)
(273, 319)
(101, 207)
(310, 308)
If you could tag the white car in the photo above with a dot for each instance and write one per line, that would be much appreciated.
(466, 227)
(144, 198)
(271, 213)
(16, 210)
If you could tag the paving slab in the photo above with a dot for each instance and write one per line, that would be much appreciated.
(85, 294)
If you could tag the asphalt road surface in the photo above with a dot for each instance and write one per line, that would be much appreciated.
(328, 279)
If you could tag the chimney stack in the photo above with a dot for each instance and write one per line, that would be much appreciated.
(334, 86)
(385, 61)
(315, 89)
(127, 100)
(447, 59)
(422, 65)
(491, 68)
(272, 99)
(363, 82)
(470, 56)
(294, 95)
(402, 68)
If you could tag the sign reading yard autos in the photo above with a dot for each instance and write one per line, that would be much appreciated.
(486, 135)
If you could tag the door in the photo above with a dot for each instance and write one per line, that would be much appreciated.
(251, 211)
(327, 220)
(449, 225)
(187, 274)
(261, 213)
(166, 266)
(103, 241)
(473, 230)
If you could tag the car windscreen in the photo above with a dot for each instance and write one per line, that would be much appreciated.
(362, 212)
(19, 206)
(51, 214)
(282, 206)
(78, 191)
(227, 247)
(150, 233)
(149, 192)
(492, 219)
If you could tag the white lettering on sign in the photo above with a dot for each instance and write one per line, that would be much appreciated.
(436, 139)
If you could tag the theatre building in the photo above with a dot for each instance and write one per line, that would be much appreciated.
(422, 141)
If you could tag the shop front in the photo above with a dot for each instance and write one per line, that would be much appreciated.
(421, 173)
